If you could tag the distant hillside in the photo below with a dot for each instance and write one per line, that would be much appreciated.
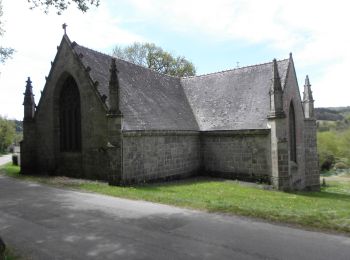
(333, 135)
(328, 114)
(19, 126)
(339, 109)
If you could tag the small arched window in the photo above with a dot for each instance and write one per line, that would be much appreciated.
(292, 134)
(70, 119)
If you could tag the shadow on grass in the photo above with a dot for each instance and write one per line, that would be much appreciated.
(196, 182)
(178, 183)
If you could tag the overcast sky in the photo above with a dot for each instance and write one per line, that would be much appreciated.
(214, 35)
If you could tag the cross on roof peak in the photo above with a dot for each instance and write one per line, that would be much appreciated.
(64, 26)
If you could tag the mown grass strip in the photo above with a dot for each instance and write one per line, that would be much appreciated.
(11, 254)
(328, 209)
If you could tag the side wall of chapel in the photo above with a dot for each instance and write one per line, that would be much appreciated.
(159, 155)
(243, 155)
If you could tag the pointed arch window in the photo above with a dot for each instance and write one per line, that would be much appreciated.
(70, 119)
(292, 134)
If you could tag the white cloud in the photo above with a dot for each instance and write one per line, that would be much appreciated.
(315, 31)
(35, 36)
(252, 21)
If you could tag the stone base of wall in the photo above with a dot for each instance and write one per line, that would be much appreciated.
(281, 183)
(70, 164)
(312, 181)
(95, 164)
(313, 188)
(28, 160)
(29, 171)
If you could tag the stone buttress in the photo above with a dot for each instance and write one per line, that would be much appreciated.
(279, 144)
(114, 122)
(28, 153)
(312, 175)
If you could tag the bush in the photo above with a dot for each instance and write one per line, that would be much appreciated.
(7, 133)
(327, 163)
(333, 147)
(341, 165)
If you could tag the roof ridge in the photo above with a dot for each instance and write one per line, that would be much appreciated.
(229, 70)
(176, 77)
(129, 62)
(99, 52)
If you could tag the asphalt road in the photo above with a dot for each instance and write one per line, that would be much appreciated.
(5, 159)
(50, 223)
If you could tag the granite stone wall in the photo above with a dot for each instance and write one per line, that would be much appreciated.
(159, 155)
(296, 169)
(28, 151)
(241, 155)
(280, 176)
(312, 173)
(92, 161)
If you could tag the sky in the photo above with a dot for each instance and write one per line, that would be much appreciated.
(214, 35)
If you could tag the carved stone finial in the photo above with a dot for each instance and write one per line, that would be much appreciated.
(307, 81)
(64, 26)
(308, 100)
(113, 89)
(276, 77)
(113, 71)
(29, 103)
(29, 87)
(276, 94)
(307, 90)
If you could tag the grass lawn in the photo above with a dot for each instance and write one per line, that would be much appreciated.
(328, 209)
(10, 254)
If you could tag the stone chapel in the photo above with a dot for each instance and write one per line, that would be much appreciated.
(99, 117)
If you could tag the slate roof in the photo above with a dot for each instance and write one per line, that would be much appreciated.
(148, 100)
(230, 100)
(234, 99)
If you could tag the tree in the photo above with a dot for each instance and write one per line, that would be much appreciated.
(61, 5)
(5, 53)
(151, 56)
(7, 133)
